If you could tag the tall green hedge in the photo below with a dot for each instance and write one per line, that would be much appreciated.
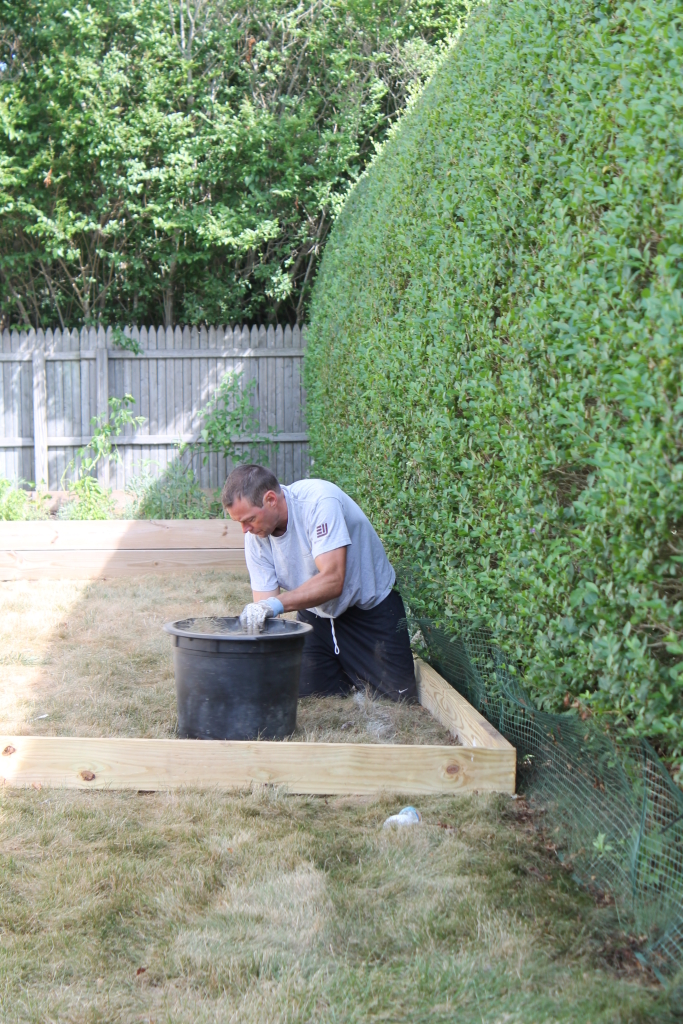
(494, 368)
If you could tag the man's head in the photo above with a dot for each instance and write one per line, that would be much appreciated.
(253, 497)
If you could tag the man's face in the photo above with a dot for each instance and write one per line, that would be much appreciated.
(260, 521)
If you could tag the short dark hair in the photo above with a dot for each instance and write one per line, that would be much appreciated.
(250, 482)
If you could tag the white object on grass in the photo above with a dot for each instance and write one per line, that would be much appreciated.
(406, 816)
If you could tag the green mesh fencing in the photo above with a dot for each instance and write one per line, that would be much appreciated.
(613, 811)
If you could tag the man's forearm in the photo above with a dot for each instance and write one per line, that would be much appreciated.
(327, 584)
(313, 592)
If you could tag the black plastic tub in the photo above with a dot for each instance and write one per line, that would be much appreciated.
(233, 685)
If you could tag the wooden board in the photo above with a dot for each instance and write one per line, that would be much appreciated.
(322, 768)
(93, 550)
(451, 709)
(90, 565)
(111, 535)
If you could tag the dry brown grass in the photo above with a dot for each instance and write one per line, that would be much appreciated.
(363, 718)
(262, 907)
(120, 908)
(91, 659)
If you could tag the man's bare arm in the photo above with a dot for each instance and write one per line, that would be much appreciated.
(327, 584)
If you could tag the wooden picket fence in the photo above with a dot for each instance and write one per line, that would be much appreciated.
(52, 383)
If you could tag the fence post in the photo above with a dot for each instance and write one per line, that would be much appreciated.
(40, 466)
(102, 373)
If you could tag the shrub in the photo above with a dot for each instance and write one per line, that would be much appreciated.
(88, 499)
(175, 494)
(231, 413)
(16, 504)
(494, 363)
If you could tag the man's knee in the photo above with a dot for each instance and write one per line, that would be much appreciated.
(316, 682)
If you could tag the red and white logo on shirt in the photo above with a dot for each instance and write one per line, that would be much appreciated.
(321, 530)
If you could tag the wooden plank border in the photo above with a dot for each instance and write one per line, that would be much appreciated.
(451, 709)
(43, 550)
(315, 768)
(120, 534)
(94, 565)
(319, 768)
(111, 548)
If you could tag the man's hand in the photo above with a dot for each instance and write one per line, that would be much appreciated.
(253, 617)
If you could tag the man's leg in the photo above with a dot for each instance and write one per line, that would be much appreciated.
(374, 647)
(322, 673)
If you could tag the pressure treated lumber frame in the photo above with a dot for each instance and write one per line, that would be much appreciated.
(51, 549)
(485, 761)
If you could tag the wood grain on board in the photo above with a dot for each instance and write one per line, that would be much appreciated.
(451, 709)
(322, 768)
(92, 550)
(112, 535)
(91, 565)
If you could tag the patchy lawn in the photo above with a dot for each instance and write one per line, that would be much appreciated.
(264, 907)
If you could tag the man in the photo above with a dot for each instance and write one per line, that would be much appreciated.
(310, 549)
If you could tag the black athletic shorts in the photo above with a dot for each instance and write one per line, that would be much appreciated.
(373, 646)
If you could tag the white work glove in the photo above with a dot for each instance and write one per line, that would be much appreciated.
(253, 617)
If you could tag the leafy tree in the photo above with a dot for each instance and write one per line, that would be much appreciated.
(184, 159)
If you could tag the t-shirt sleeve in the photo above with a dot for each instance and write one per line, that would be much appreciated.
(327, 527)
(260, 564)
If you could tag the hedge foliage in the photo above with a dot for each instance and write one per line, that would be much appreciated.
(494, 365)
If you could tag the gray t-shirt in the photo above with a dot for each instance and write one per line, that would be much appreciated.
(320, 518)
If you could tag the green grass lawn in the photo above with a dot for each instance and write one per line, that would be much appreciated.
(265, 907)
